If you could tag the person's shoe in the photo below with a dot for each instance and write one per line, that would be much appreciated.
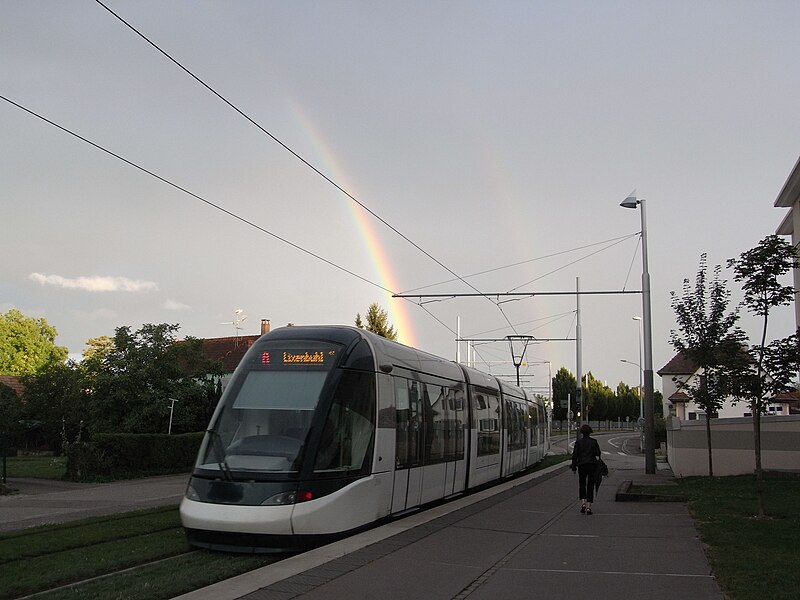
(583, 508)
(588, 511)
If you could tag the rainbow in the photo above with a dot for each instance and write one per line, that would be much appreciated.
(396, 307)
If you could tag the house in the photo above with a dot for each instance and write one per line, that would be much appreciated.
(789, 197)
(13, 382)
(230, 350)
(678, 404)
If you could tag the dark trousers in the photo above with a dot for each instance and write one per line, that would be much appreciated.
(586, 482)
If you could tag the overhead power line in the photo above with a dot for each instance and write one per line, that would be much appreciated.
(196, 196)
(285, 146)
(529, 260)
(216, 206)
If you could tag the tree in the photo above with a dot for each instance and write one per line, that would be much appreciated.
(10, 417)
(627, 401)
(597, 397)
(708, 338)
(56, 400)
(98, 348)
(377, 322)
(768, 368)
(564, 384)
(27, 344)
(132, 384)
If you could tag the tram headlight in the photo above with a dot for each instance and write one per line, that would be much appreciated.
(284, 498)
(191, 493)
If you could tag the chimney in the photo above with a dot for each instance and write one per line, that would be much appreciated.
(264, 326)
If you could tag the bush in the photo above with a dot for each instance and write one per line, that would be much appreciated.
(128, 455)
(660, 429)
(84, 462)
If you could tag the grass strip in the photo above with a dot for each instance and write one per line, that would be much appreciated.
(50, 539)
(166, 579)
(747, 554)
(21, 577)
(39, 467)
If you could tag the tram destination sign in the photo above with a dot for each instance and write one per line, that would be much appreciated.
(298, 357)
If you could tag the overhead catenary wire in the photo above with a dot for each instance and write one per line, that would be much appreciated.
(525, 262)
(210, 203)
(611, 245)
(293, 152)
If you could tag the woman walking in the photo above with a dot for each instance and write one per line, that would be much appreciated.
(584, 460)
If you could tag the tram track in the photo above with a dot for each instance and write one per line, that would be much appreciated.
(133, 556)
(74, 584)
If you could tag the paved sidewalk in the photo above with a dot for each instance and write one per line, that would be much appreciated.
(524, 539)
(41, 502)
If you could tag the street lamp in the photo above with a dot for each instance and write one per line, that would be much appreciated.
(641, 405)
(641, 411)
(171, 409)
(649, 418)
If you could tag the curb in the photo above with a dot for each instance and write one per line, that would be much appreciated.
(624, 494)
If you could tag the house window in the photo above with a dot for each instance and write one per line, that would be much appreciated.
(693, 416)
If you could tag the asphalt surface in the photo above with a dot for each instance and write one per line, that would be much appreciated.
(524, 538)
(42, 502)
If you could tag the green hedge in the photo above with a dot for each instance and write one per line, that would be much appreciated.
(128, 455)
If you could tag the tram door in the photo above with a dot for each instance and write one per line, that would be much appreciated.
(430, 442)
(408, 445)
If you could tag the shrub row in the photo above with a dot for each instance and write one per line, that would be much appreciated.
(127, 455)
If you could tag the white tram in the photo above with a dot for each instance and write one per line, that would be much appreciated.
(324, 431)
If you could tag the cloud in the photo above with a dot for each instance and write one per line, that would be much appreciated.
(173, 305)
(95, 283)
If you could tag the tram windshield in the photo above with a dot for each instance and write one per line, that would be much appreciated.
(268, 409)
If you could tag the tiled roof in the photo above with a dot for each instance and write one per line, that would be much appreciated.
(679, 365)
(793, 396)
(12, 381)
(678, 397)
(228, 350)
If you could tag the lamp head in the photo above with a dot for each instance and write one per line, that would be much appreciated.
(630, 202)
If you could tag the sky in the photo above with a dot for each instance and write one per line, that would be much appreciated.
(473, 136)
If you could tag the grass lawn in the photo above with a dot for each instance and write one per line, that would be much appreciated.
(42, 558)
(41, 467)
(751, 557)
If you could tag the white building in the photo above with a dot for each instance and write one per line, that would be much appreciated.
(681, 370)
(789, 197)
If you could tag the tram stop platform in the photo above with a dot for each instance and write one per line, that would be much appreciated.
(524, 538)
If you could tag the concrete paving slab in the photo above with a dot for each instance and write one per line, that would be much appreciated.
(523, 539)
(533, 584)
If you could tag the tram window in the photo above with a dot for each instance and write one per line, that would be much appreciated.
(409, 423)
(487, 413)
(515, 426)
(429, 424)
(298, 390)
(533, 414)
(349, 426)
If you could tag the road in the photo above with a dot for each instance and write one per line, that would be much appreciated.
(616, 443)
(42, 502)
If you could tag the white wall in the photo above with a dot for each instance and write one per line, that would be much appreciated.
(732, 445)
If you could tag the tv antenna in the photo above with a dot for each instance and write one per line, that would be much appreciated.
(238, 319)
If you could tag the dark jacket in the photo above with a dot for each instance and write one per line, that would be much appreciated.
(585, 452)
